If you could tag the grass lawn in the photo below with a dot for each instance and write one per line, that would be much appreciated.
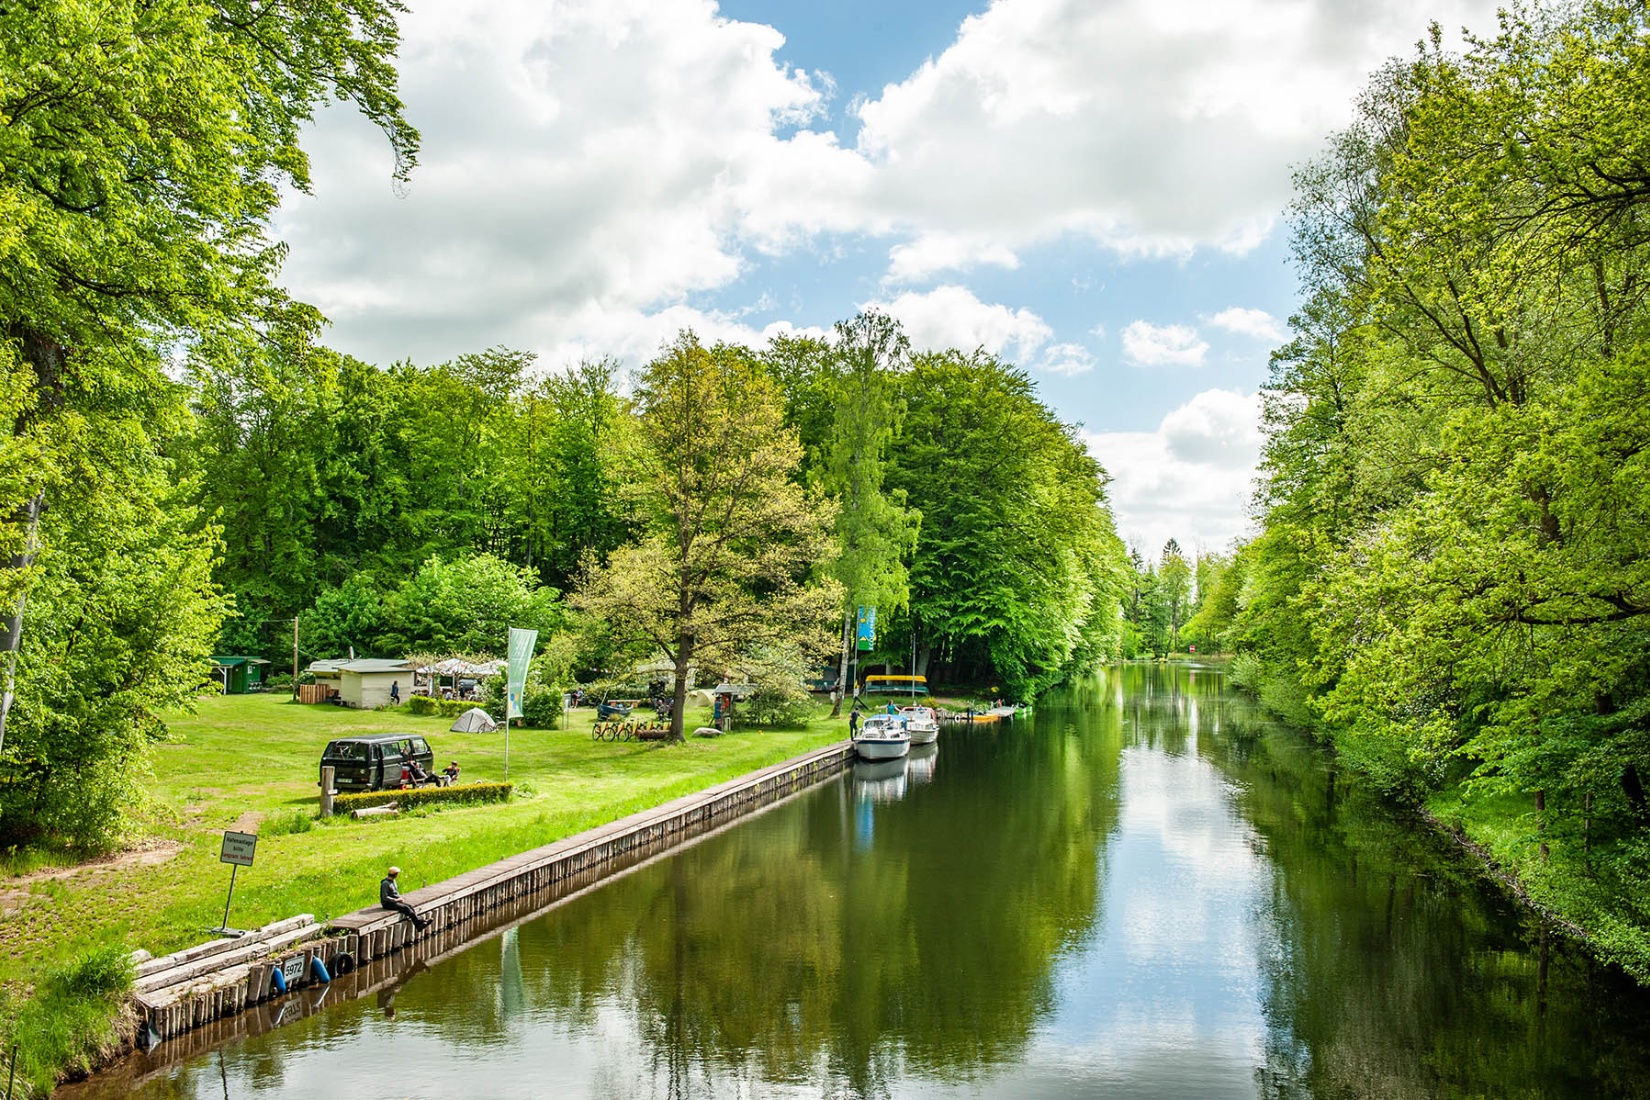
(250, 762)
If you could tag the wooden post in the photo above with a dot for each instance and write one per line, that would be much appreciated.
(327, 774)
(295, 659)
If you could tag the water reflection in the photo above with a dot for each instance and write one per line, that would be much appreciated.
(1149, 890)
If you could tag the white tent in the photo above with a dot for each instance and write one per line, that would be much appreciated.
(475, 720)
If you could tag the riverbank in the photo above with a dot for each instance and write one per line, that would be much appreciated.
(249, 763)
(1583, 887)
(1570, 884)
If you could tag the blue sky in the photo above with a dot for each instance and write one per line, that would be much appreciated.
(1093, 189)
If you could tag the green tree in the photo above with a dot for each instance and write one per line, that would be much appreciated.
(465, 605)
(145, 148)
(875, 532)
(1019, 572)
(734, 551)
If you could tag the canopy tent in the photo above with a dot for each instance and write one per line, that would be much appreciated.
(475, 720)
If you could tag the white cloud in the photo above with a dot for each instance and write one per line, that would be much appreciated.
(582, 161)
(933, 253)
(1067, 359)
(1256, 323)
(1192, 478)
(593, 159)
(952, 317)
(1152, 126)
(1150, 345)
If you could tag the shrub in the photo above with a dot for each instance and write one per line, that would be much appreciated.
(72, 1023)
(298, 821)
(465, 794)
(452, 708)
(775, 706)
(423, 705)
(1244, 673)
(541, 710)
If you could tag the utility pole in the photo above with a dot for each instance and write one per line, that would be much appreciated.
(294, 663)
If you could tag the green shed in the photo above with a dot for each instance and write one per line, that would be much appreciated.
(239, 675)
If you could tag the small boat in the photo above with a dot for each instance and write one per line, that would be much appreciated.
(922, 724)
(883, 737)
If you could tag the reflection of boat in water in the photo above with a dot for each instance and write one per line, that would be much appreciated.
(879, 780)
(883, 737)
(922, 723)
(919, 765)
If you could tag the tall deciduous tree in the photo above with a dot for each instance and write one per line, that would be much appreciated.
(145, 147)
(734, 552)
(876, 532)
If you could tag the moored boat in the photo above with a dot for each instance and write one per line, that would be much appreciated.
(883, 737)
(922, 723)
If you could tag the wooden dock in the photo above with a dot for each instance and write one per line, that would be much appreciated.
(195, 988)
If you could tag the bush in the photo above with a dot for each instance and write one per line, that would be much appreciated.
(1244, 673)
(452, 708)
(465, 794)
(423, 705)
(73, 1022)
(541, 710)
(298, 821)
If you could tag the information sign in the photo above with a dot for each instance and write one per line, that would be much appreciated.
(866, 634)
(238, 848)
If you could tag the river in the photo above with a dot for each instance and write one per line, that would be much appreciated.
(1148, 889)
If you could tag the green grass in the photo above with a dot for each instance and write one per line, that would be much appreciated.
(1601, 893)
(251, 762)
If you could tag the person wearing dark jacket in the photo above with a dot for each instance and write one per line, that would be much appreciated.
(389, 896)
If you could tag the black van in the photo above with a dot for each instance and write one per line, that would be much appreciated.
(374, 762)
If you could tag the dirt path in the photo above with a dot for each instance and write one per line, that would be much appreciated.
(15, 892)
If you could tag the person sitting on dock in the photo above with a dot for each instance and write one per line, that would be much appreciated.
(389, 896)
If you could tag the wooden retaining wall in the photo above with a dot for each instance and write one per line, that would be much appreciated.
(195, 988)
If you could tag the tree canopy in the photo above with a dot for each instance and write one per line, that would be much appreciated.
(1451, 575)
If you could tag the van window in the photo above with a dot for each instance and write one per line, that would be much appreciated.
(350, 751)
(419, 745)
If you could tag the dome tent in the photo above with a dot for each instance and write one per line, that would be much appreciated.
(475, 720)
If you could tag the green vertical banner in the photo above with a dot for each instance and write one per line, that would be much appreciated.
(520, 655)
(867, 629)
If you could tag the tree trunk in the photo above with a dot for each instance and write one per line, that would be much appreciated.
(678, 698)
(11, 625)
(842, 685)
(46, 357)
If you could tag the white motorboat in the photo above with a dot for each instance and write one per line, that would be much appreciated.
(883, 737)
(922, 723)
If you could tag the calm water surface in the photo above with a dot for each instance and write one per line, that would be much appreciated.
(1146, 891)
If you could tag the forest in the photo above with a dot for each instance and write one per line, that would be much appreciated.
(1449, 579)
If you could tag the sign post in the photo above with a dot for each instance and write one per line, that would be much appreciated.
(237, 851)
(517, 660)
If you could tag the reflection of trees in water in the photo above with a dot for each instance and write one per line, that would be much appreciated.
(1394, 971)
(780, 952)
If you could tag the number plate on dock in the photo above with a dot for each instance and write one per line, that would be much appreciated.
(293, 969)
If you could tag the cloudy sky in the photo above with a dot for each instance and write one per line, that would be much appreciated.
(1091, 188)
